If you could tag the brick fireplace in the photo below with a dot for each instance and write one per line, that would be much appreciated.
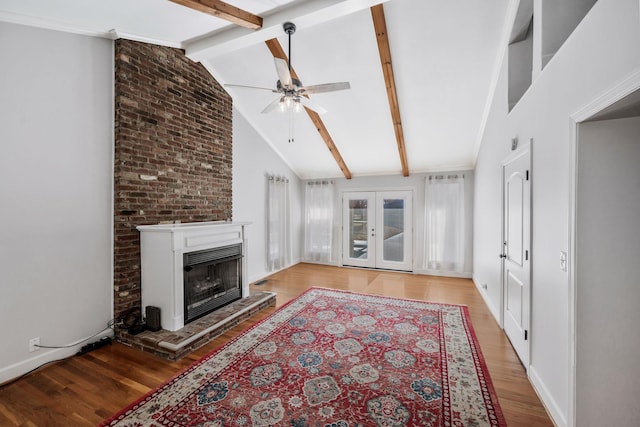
(173, 152)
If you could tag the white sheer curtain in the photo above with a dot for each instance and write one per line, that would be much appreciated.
(278, 228)
(318, 220)
(444, 223)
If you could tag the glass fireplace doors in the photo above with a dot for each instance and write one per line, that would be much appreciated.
(212, 279)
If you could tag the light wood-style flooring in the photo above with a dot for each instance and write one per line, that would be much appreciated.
(84, 390)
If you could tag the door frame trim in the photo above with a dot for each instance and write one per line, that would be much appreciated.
(524, 149)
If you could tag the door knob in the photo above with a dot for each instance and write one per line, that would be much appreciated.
(502, 256)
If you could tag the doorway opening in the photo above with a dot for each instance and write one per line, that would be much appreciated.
(605, 247)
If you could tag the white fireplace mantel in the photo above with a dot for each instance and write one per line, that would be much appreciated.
(162, 247)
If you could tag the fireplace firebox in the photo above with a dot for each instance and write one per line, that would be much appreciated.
(212, 279)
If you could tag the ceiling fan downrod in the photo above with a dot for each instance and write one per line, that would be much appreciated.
(289, 28)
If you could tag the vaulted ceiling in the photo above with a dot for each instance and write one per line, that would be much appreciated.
(422, 72)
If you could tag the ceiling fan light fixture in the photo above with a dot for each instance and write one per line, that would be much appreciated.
(289, 103)
(297, 106)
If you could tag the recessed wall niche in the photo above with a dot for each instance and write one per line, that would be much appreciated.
(540, 29)
(521, 53)
(557, 20)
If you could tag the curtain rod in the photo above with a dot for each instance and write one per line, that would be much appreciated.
(448, 176)
(278, 178)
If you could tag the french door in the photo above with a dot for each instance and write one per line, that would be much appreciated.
(378, 229)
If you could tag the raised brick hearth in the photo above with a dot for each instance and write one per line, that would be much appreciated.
(175, 345)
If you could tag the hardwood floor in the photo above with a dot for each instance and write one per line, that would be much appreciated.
(84, 390)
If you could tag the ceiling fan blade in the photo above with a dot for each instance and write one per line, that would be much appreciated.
(327, 87)
(272, 106)
(250, 87)
(283, 72)
(312, 105)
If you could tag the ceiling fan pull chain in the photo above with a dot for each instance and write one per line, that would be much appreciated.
(291, 125)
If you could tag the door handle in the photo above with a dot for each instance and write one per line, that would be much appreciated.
(502, 256)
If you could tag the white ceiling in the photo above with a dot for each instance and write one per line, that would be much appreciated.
(445, 57)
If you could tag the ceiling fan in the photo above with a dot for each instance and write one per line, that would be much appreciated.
(293, 95)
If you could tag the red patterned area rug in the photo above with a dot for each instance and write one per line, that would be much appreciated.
(334, 359)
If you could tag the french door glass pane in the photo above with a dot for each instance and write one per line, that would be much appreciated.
(358, 229)
(393, 241)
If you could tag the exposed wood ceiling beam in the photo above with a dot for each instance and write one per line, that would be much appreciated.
(277, 52)
(305, 14)
(224, 11)
(380, 25)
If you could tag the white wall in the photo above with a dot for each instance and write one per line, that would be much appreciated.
(416, 183)
(56, 179)
(607, 291)
(487, 224)
(253, 161)
(602, 51)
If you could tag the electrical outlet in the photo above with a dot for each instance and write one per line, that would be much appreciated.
(484, 286)
(33, 343)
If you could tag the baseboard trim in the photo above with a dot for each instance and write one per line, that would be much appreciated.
(443, 273)
(330, 263)
(547, 400)
(18, 369)
(487, 301)
(265, 274)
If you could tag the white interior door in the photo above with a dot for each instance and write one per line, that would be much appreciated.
(378, 229)
(516, 252)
